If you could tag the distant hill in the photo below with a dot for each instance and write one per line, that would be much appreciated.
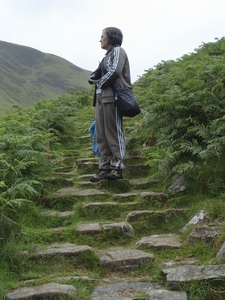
(28, 75)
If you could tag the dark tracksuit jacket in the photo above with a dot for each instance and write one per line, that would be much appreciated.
(109, 126)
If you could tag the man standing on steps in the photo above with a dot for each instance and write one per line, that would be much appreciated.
(113, 70)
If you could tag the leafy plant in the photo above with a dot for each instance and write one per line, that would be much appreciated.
(186, 105)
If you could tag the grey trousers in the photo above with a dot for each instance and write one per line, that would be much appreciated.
(109, 134)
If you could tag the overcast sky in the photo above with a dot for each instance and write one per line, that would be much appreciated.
(154, 30)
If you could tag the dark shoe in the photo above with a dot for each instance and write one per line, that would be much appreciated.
(99, 176)
(114, 174)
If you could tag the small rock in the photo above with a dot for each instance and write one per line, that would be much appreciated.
(179, 184)
(125, 228)
(204, 234)
(194, 221)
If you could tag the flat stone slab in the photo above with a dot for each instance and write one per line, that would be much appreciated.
(122, 290)
(63, 214)
(95, 228)
(89, 228)
(125, 259)
(124, 196)
(184, 274)
(159, 196)
(161, 241)
(50, 290)
(165, 295)
(125, 227)
(138, 215)
(62, 249)
(78, 192)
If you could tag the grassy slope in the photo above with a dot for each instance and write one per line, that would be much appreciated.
(28, 75)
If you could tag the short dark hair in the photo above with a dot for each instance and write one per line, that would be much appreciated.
(114, 35)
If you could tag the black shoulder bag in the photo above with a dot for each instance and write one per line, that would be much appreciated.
(126, 103)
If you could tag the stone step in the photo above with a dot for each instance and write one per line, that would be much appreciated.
(125, 196)
(125, 259)
(143, 183)
(76, 192)
(150, 196)
(45, 291)
(95, 228)
(141, 215)
(129, 170)
(61, 180)
(53, 213)
(182, 275)
(109, 209)
(123, 291)
(158, 196)
(61, 249)
(161, 241)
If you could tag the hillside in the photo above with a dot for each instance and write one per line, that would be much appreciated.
(28, 75)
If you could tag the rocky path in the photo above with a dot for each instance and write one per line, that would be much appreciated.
(119, 227)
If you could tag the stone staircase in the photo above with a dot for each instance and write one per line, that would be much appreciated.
(117, 227)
